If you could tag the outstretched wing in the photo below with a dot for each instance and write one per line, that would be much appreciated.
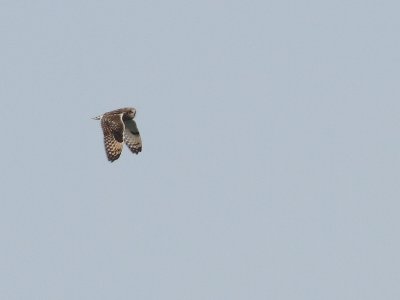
(113, 129)
(132, 136)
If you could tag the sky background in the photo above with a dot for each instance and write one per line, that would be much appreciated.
(270, 163)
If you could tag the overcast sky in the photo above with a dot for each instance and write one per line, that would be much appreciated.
(270, 163)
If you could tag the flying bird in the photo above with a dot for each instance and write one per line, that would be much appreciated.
(119, 127)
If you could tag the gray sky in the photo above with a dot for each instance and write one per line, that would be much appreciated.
(270, 163)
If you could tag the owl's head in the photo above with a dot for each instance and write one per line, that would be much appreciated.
(130, 113)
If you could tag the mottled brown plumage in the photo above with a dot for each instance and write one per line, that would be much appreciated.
(119, 127)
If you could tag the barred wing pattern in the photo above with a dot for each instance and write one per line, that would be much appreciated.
(132, 136)
(113, 129)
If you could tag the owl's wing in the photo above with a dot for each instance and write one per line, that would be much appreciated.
(132, 136)
(113, 129)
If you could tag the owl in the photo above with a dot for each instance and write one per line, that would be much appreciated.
(119, 127)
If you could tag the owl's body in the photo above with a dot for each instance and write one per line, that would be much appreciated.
(119, 127)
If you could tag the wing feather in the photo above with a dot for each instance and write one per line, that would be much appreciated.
(132, 136)
(113, 129)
